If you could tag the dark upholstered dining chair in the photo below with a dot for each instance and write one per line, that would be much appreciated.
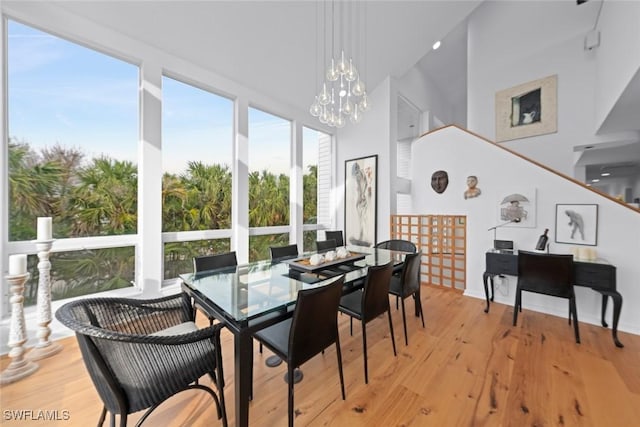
(312, 329)
(397, 245)
(283, 252)
(368, 304)
(548, 274)
(408, 284)
(325, 245)
(139, 352)
(335, 235)
(212, 262)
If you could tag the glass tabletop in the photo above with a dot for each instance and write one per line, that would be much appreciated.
(247, 291)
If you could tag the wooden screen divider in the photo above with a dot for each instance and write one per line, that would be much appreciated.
(443, 242)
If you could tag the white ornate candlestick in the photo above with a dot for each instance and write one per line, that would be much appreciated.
(44, 347)
(19, 367)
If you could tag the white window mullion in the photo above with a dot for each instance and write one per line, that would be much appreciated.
(149, 254)
(296, 186)
(240, 182)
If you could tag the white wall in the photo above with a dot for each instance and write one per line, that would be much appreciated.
(497, 61)
(371, 136)
(418, 88)
(618, 57)
(498, 171)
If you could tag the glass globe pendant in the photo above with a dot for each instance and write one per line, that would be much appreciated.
(342, 64)
(316, 108)
(364, 103)
(324, 97)
(347, 108)
(358, 88)
(332, 72)
(324, 117)
(351, 73)
(356, 117)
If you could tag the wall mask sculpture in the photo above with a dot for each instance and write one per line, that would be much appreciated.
(439, 181)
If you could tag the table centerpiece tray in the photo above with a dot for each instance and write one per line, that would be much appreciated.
(304, 263)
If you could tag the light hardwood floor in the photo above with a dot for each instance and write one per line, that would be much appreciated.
(466, 368)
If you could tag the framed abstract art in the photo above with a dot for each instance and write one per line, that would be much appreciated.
(361, 200)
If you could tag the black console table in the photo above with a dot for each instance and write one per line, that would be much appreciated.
(598, 275)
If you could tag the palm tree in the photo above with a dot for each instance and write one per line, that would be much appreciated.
(310, 195)
(69, 161)
(208, 195)
(174, 199)
(32, 186)
(105, 199)
(268, 199)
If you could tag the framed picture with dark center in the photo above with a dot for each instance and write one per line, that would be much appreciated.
(360, 200)
(529, 109)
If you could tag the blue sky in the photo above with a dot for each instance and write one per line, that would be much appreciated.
(61, 92)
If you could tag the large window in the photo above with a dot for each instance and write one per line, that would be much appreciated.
(196, 159)
(178, 256)
(316, 166)
(316, 163)
(73, 134)
(73, 138)
(83, 272)
(269, 166)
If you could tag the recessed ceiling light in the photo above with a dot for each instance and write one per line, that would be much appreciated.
(436, 45)
(595, 180)
(605, 174)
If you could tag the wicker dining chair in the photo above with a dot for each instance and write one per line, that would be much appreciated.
(139, 352)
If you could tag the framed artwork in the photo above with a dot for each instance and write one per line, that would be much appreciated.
(517, 208)
(361, 200)
(529, 109)
(577, 224)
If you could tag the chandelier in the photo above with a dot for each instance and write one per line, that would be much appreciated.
(342, 93)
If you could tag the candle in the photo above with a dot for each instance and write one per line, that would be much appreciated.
(17, 264)
(583, 254)
(44, 228)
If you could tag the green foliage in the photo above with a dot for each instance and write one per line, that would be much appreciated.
(99, 198)
(268, 199)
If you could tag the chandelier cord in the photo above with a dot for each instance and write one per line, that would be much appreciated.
(342, 94)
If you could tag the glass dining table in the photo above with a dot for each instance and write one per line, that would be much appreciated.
(251, 297)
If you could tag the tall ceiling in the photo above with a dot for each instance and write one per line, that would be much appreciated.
(275, 47)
